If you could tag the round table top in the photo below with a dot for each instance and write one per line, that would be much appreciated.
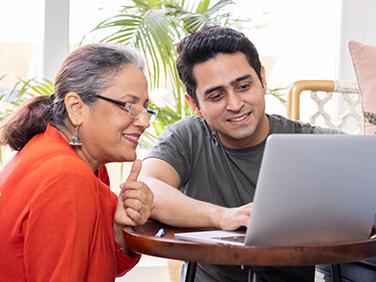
(142, 240)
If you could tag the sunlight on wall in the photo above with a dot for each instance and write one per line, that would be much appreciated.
(298, 37)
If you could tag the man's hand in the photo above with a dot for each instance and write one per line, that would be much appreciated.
(233, 218)
(135, 201)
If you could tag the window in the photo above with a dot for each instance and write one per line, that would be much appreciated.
(20, 39)
(296, 39)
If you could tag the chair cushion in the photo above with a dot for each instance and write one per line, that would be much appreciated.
(364, 61)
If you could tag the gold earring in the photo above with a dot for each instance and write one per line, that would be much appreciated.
(75, 140)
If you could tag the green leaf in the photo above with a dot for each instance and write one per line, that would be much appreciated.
(203, 6)
(217, 7)
(23, 90)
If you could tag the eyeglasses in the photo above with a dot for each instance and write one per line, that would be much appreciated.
(134, 110)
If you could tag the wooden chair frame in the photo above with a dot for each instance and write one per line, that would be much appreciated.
(293, 100)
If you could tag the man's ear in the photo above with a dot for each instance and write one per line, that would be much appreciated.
(193, 105)
(76, 108)
(263, 79)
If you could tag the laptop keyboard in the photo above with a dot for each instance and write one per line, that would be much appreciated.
(239, 239)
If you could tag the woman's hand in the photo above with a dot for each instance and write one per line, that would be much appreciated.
(135, 201)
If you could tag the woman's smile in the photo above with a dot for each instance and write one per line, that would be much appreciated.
(132, 137)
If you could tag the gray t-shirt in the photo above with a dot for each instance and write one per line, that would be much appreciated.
(214, 173)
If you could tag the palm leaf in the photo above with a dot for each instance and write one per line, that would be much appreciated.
(218, 7)
(153, 27)
(194, 20)
(24, 90)
(279, 93)
(150, 32)
(203, 6)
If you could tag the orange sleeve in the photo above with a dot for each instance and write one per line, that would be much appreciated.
(124, 262)
(58, 232)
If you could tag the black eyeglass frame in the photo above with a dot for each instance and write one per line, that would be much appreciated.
(127, 106)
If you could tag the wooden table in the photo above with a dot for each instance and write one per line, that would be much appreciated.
(142, 240)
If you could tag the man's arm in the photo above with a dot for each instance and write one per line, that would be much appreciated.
(173, 207)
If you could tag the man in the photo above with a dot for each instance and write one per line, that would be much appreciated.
(203, 172)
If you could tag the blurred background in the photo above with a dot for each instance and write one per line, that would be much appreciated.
(296, 39)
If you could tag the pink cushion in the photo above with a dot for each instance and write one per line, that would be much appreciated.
(364, 61)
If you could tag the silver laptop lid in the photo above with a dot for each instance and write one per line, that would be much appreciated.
(314, 189)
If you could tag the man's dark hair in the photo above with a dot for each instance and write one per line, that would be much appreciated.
(207, 43)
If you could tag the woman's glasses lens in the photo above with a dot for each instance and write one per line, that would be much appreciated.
(136, 110)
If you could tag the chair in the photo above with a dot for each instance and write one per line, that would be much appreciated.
(331, 104)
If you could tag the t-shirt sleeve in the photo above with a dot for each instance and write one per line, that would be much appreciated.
(59, 230)
(175, 146)
(321, 130)
(280, 124)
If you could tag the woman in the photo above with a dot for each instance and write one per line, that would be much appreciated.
(58, 220)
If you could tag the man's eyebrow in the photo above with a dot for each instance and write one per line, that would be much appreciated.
(212, 89)
(247, 76)
(232, 83)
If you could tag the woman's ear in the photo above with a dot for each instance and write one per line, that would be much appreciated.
(193, 105)
(76, 108)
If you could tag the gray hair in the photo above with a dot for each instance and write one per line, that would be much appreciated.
(88, 71)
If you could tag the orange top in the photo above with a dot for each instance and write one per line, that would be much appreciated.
(56, 217)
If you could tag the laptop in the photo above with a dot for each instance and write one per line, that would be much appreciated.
(311, 190)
